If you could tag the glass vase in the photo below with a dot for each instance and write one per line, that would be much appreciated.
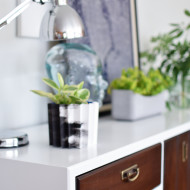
(180, 93)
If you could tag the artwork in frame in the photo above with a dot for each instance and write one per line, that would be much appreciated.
(110, 27)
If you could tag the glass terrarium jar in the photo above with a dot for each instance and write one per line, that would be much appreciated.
(180, 93)
(76, 63)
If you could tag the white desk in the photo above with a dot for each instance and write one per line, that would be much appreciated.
(39, 166)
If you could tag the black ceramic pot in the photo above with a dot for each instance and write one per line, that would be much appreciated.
(54, 124)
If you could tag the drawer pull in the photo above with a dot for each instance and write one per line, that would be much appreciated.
(130, 174)
(184, 151)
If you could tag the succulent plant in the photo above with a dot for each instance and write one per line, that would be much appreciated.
(66, 94)
(148, 84)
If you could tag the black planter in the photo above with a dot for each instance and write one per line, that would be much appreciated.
(69, 125)
(54, 125)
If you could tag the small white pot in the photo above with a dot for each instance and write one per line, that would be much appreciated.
(126, 105)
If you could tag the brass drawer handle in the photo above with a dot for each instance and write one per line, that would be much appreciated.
(130, 174)
(184, 151)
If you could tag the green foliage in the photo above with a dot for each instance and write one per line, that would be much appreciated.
(187, 12)
(66, 94)
(172, 49)
(134, 79)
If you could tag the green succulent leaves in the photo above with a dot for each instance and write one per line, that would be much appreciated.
(51, 83)
(134, 79)
(66, 94)
(187, 13)
(61, 81)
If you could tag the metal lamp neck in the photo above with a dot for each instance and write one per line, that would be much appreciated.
(54, 2)
(60, 2)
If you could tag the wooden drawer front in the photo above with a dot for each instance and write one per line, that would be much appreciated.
(177, 163)
(109, 177)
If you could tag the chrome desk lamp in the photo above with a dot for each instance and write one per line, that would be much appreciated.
(60, 23)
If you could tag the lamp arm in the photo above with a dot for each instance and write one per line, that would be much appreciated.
(14, 13)
(18, 10)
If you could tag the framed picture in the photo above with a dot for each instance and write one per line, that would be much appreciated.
(110, 27)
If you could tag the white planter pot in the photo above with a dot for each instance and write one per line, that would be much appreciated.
(126, 105)
(73, 126)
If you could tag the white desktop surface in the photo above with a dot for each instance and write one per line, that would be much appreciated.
(116, 139)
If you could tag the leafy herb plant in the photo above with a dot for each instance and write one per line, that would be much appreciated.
(172, 50)
(66, 94)
(148, 84)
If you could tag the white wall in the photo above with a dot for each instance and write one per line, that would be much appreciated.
(22, 60)
(21, 69)
(154, 17)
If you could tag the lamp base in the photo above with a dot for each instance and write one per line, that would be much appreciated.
(13, 139)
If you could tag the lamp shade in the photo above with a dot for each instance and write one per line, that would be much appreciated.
(61, 23)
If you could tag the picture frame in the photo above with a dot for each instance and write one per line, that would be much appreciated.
(111, 30)
(110, 27)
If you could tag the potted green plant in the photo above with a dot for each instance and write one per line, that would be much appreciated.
(73, 121)
(137, 95)
(172, 51)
